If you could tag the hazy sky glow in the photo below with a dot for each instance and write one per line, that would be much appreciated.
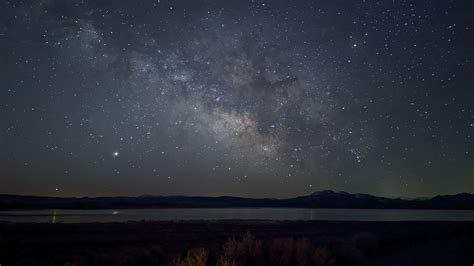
(247, 98)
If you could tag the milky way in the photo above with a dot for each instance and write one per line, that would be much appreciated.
(248, 98)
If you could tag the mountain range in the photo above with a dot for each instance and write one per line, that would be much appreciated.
(322, 199)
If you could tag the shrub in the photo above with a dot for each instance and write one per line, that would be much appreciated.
(251, 251)
(194, 257)
(281, 251)
(245, 252)
(287, 251)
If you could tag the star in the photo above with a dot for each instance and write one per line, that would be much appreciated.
(300, 96)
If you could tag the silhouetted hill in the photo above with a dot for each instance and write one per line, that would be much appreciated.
(322, 199)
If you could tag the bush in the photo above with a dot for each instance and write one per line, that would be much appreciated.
(287, 251)
(252, 251)
(194, 257)
(245, 252)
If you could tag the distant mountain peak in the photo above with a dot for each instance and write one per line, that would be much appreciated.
(328, 193)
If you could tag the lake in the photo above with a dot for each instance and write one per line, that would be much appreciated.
(305, 214)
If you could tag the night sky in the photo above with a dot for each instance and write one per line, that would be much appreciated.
(245, 98)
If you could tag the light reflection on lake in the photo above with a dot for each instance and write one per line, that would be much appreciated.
(124, 215)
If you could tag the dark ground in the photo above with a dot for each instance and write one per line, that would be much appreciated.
(156, 243)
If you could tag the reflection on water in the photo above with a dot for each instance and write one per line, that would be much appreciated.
(123, 215)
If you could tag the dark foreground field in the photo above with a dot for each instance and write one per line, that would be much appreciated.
(254, 243)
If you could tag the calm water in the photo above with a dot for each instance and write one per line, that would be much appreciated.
(123, 215)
